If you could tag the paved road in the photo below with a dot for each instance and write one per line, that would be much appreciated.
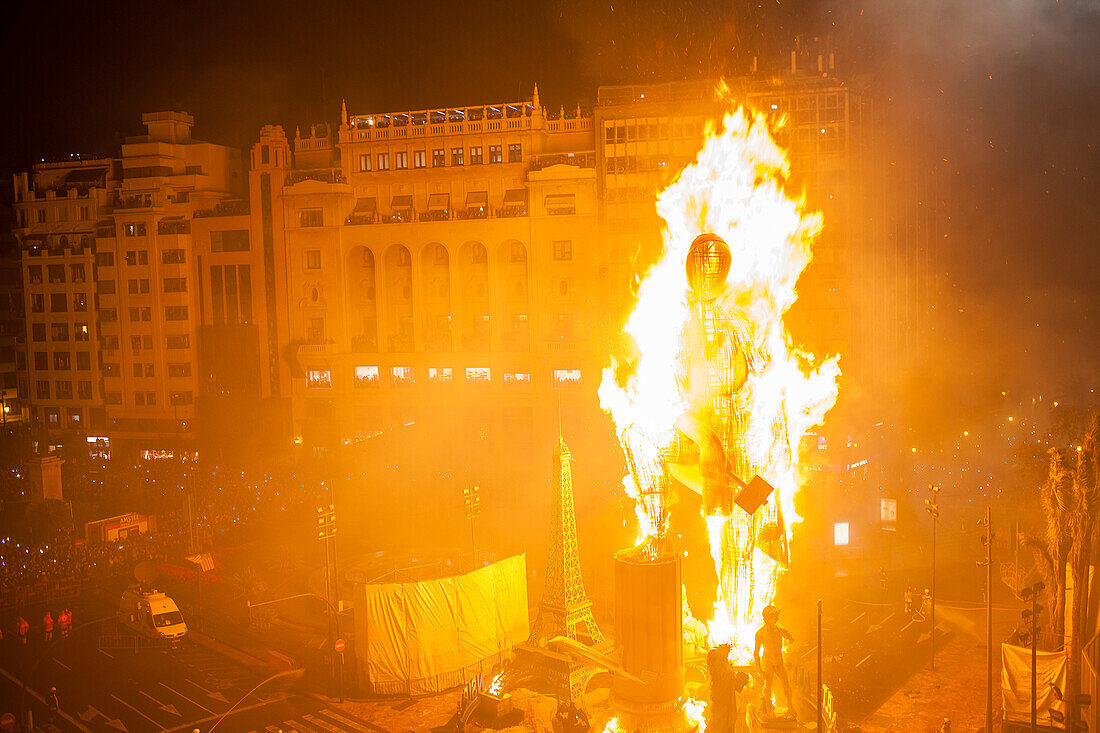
(870, 650)
(105, 687)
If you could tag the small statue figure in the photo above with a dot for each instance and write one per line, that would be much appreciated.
(769, 639)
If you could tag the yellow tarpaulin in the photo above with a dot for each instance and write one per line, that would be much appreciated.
(1050, 668)
(425, 637)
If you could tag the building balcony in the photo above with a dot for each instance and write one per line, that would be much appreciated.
(223, 208)
(579, 160)
(324, 175)
(407, 216)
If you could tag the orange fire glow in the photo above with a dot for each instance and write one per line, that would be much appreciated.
(735, 189)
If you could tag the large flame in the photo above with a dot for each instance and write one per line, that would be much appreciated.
(735, 189)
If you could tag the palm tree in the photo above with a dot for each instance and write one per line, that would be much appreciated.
(1052, 549)
(1087, 493)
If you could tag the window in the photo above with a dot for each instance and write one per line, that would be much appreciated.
(138, 370)
(364, 162)
(476, 156)
(438, 161)
(58, 303)
(175, 313)
(42, 389)
(311, 218)
(34, 274)
(561, 204)
(313, 259)
(366, 376)
(135, 315)
(383, 161)
(515, 153)
(181, 398)
(105, 259)
(175, 285)
(236, 240)
(110, 343)
(56, 273)
(478, 375)
(495, 155)
(182, 369)
(59, 332)
(111, 370)
(77, 273)
(179, 341)
(80, 332)
(517, 379)
(62, 214)
(315, 332)
(137, 257)
(108, 315)
(64, 389)
(176, 256)
(134, 229)
(420, 159)
(457, 156)
(442, 375)
(38, 303)
(139, 398)
(38, 332)
(84, 390)
(41, 361)
(105, 287)
(319, 378)
(113, 398)
(402, 376)
(401, 160)
(840, 534)
(80, 302)
(135, 343)
(567, 378)
(83, 361)
(41, 216)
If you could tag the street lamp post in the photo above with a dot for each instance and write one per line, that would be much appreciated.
(472, 501)
(1032, 617)
(933, 508)
(326, 532)
(987, 540)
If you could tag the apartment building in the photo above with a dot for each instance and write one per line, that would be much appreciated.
(107, 258)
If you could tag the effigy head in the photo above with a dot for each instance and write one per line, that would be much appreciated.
(708, 264)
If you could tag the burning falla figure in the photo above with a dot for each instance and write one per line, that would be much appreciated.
(722, 444)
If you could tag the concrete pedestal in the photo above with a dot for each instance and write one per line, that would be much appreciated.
(44, 473)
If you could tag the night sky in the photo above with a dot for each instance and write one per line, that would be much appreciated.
(1004, 92)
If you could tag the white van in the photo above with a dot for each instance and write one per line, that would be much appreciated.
(152, 613)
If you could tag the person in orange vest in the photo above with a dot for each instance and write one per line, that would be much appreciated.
(65, 622)
(47, 626)
(23, 628)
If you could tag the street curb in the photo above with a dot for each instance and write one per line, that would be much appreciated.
(229, 651)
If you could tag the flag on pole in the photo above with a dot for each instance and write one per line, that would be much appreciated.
(204, 560)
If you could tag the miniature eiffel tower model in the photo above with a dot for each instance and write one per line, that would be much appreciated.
(565, 609)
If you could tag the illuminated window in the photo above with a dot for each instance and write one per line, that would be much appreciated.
(383, 161)
(515, 153)
(402, 376)
(319, 378)
(366, 376)
(476, 157)
(420, 159)
(840, 534)
(567, 378)
(442, 375)
(517, 379)
(457, 156)
(439, 158)
(364, 162)
(495, 154)
(478, 375)
(401, 160)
